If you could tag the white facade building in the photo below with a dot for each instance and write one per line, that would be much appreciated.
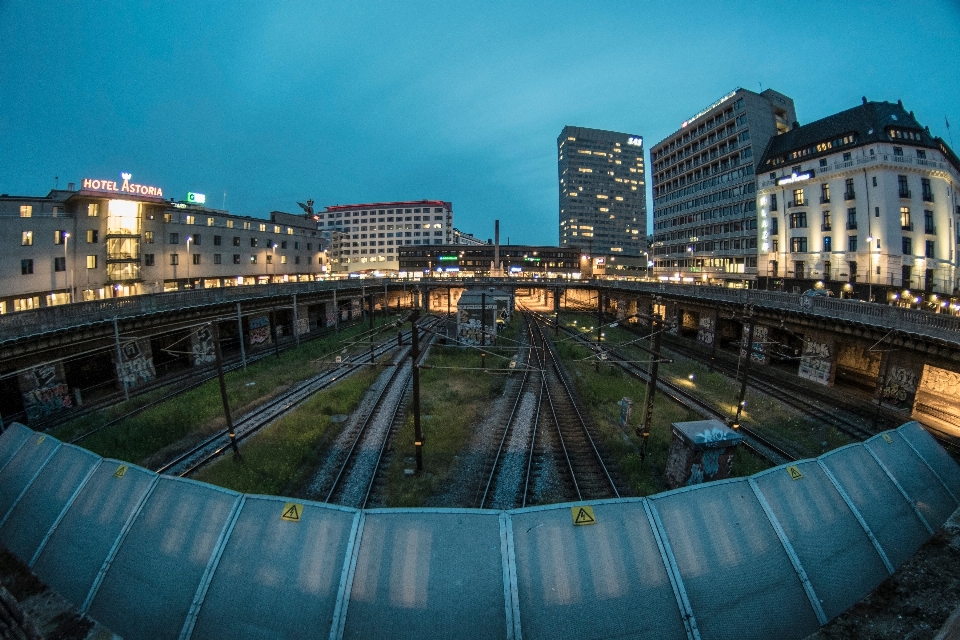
(864, 196)
(366, 237)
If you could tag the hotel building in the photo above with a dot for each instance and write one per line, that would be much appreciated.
(603, 202)
(115, 238)
(704, 200)
(366, 237)
(863, 196)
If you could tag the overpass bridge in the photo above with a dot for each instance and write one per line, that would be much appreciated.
(910, 358)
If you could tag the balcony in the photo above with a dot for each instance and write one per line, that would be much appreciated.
(905, 193)
(824, 199)
(851, 225)
(826, 226)
(906, 226)
(794, 203)
(931, 231)
(928, 196)
(849, 195)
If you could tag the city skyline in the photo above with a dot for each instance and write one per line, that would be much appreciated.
(358, 103)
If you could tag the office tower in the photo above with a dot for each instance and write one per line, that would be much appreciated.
(704, 183)
(603, 206)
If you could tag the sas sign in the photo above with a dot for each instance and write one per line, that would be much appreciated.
(196, 198)
(635, 141)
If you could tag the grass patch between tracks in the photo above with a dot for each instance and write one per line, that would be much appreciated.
(788, 427)
(281, 456)
(160, 432)
(454, 394)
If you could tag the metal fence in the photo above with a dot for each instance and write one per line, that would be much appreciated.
(773, 555)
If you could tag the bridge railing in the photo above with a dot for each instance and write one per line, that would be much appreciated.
(36, 321)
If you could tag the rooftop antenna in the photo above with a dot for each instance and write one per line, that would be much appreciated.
(949, 133)
(56, 179)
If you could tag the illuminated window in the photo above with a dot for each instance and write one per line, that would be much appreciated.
(93, 236)
(229, 224)
(276, 229)
(263, 227)
(91, 262)
(26, 239)
(210, 222)
(26, 211)
(190, 220)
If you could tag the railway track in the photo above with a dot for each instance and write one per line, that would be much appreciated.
(510, 467)
(362, 463)
(793, 395)
(213, 447)
(578, 457)
(190, 377)
(759, 444)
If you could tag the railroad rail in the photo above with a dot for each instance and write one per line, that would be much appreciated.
(354, 481)
(532, 381)
(759, 444)
(213, 447)
(588, 471)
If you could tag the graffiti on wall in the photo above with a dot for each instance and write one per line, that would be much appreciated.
(303, 320)
(815, 362)
(706, 332)
(469, 329)
(259, 330)
(939, 395)
(898, 387)
(761, 336)
(136, 367)
(202, 346)
(43, 391)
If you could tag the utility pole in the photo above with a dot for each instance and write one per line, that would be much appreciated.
(223, 389)
(371, 327)
(644, 433)
(746, 369)
(415, 370)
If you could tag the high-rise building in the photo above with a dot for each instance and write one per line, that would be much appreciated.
(862, 197)
(704, 183)
(603, 206)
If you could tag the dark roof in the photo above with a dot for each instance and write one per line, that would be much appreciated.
(869, 121)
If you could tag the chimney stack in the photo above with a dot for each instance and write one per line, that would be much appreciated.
(496, 248)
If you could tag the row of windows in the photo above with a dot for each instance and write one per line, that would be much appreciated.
(799, 245)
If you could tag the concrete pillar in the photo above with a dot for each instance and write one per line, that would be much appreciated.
(818, 358)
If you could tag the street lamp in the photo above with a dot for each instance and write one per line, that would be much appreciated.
(189, 238)
(66, 237)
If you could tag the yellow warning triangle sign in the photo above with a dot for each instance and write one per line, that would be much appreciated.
(291, 512)
(121, 471)
(583, 515)
(794, 472)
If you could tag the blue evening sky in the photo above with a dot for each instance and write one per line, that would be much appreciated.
(361, 101)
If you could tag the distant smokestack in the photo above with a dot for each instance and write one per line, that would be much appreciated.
(71, 186)
(496, 246)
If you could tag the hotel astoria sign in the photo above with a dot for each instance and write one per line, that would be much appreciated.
(125, 187)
